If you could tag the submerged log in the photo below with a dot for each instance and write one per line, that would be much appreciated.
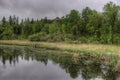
(36, 46)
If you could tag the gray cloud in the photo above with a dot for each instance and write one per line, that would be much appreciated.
(47, 8)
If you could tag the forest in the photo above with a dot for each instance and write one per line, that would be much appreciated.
(87, 26)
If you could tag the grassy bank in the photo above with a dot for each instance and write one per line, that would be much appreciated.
(94, 48)
(85, 48)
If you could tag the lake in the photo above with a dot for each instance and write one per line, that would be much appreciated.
(28, 63)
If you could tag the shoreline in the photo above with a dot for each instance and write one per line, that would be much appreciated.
(83, 48)
(106, 53)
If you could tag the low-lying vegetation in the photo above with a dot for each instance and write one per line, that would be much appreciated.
(85, 48)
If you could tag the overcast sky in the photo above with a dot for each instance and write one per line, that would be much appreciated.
(47, 8)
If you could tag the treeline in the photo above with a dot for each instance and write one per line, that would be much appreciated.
(88, 26)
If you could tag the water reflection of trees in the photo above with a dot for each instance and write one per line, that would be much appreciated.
(8, 54)
(85, 66)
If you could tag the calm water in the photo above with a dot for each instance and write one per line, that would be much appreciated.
(25, 63)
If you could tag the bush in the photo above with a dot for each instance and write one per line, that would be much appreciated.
(116, 39)
(84, 40)
(38, 37)
(55, 37)
(69, 37)
(46, 37)
(8, 35)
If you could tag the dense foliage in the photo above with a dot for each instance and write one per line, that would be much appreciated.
(84, 27)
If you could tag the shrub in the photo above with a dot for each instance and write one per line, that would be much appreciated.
(84, 40)
(46, 37)
(55, 37)
(38, 37)
(116, 39)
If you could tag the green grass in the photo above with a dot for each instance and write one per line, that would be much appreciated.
(83, 48)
